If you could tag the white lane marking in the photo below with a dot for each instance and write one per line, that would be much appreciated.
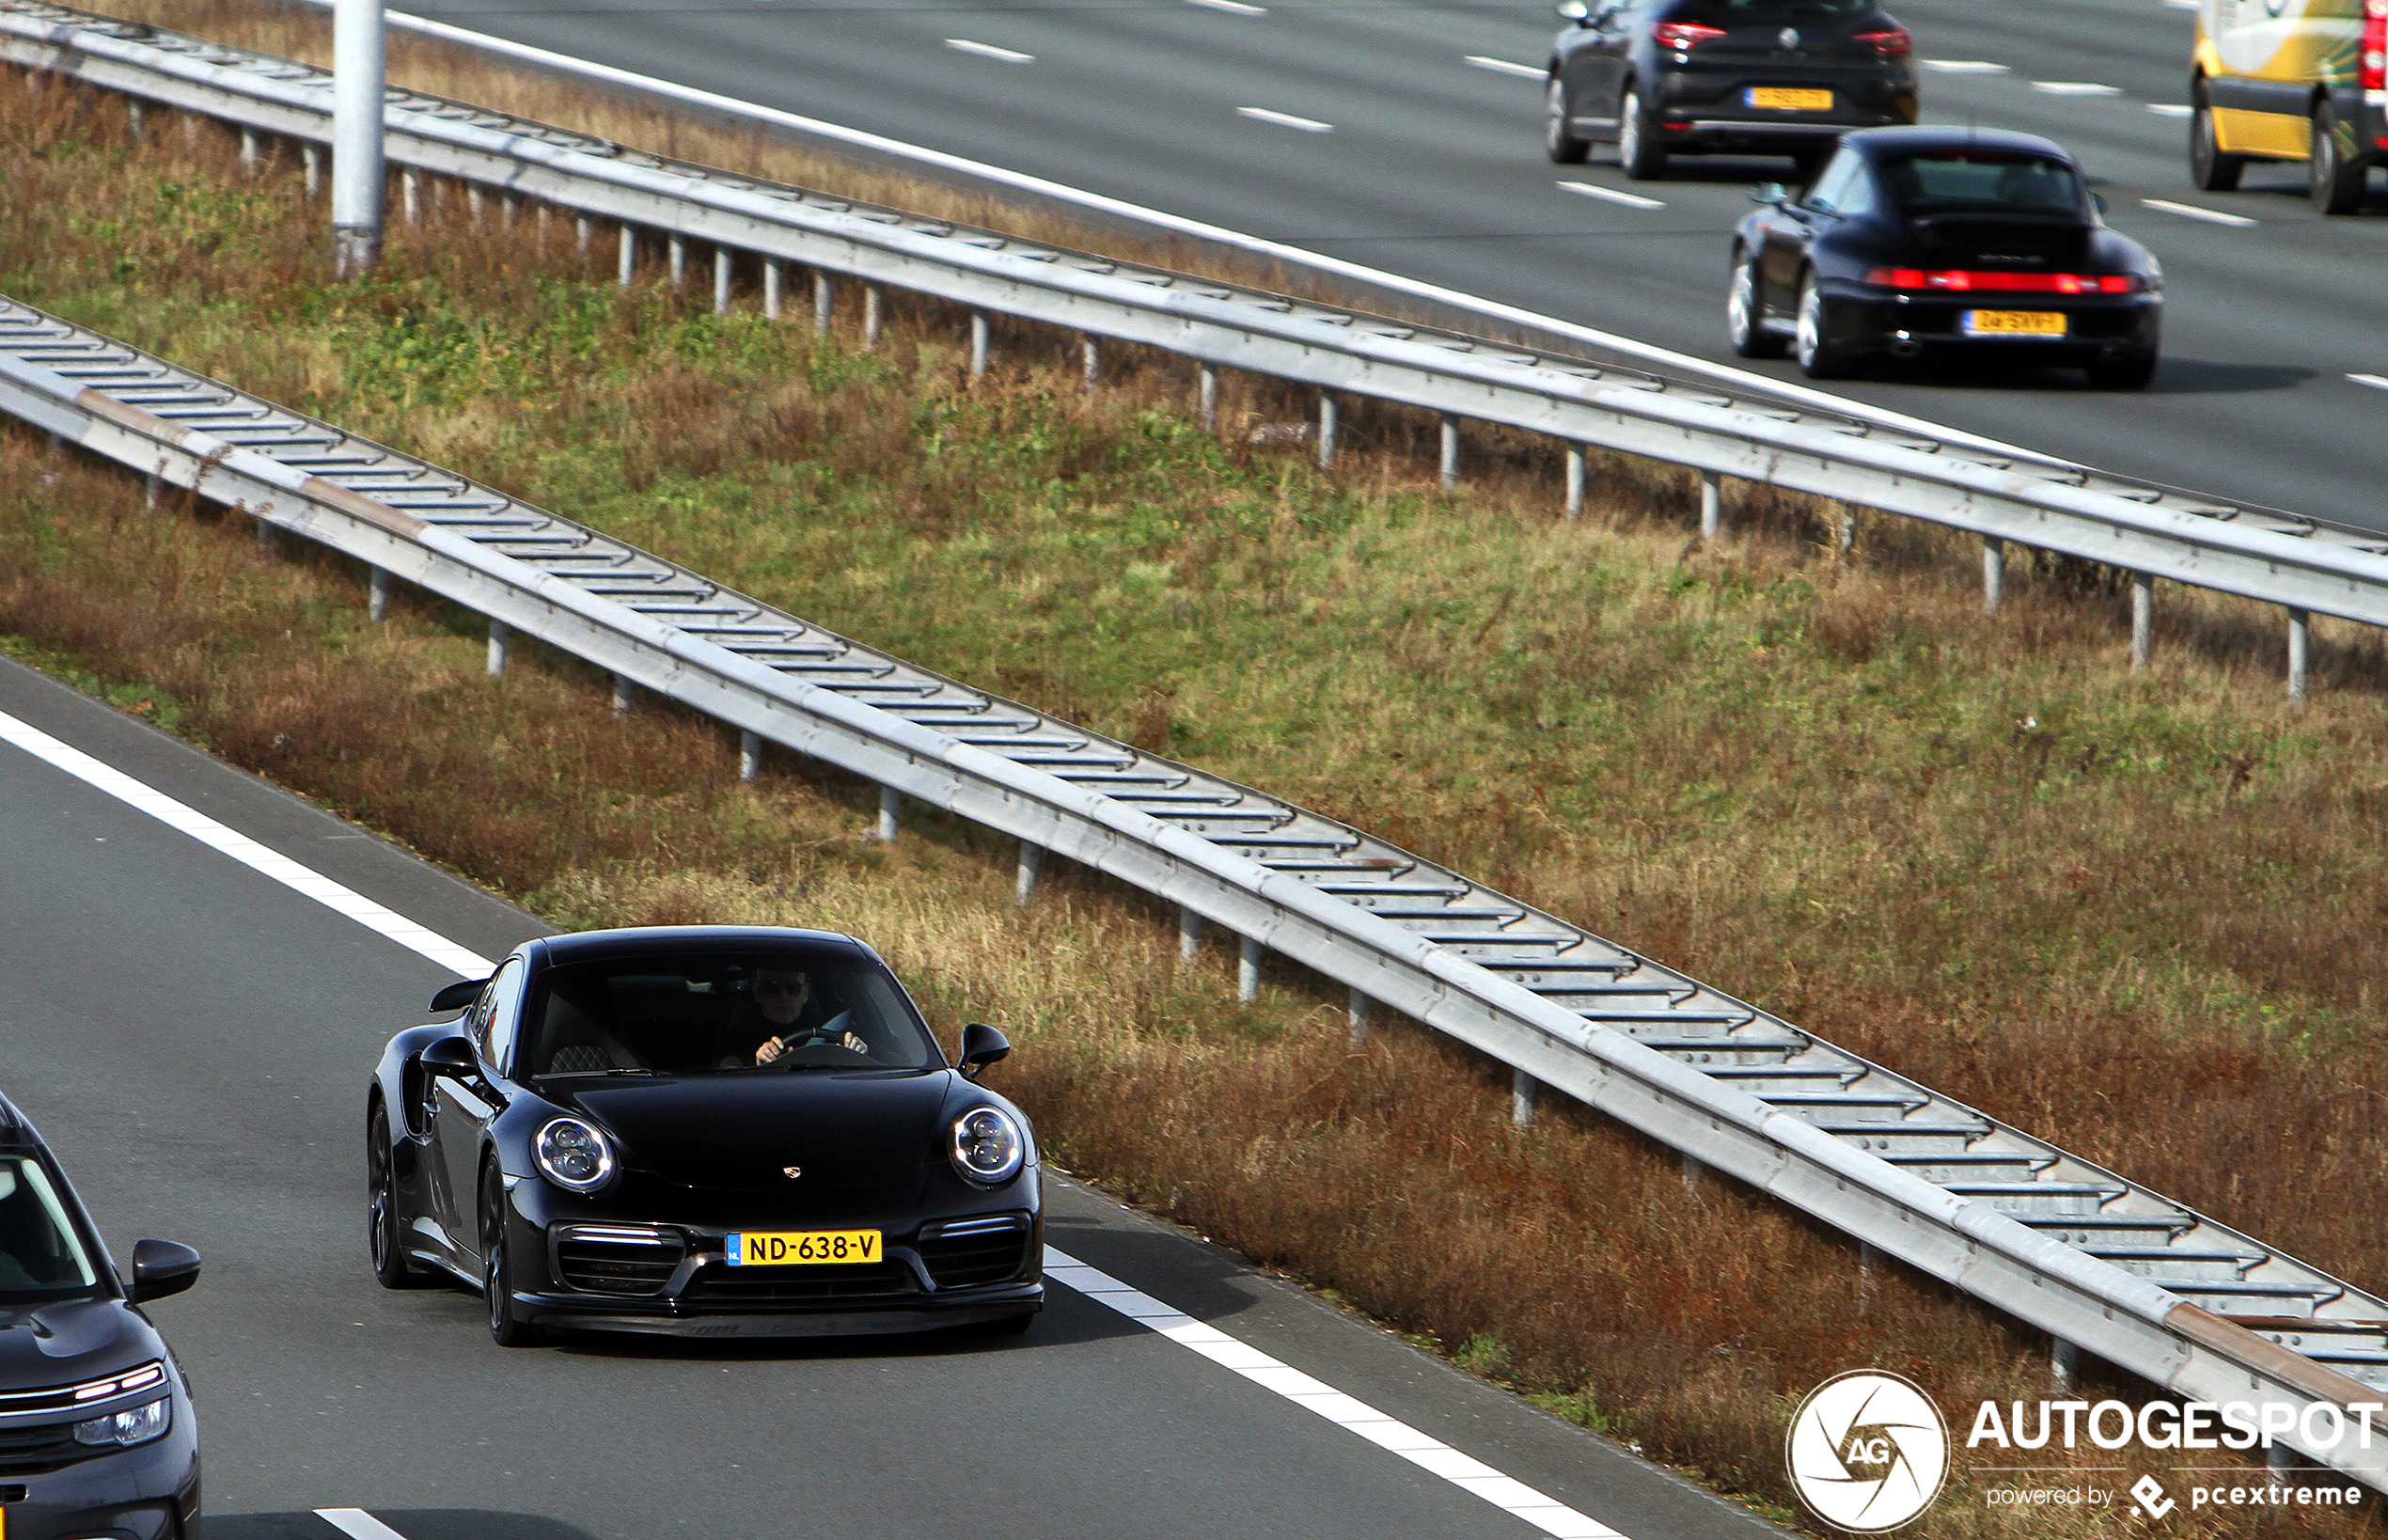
(2075, 87)
(1593, 189)
(1966, 66)
(357, 1524)
(1233, 7)
(2180, 5)
(256, 857)
(2170, 109)
(1514, 315)
(1285, 119)
(2190, 210)
(2377, 381)
(1428, 1454)
(1503, 66)
(988, 51)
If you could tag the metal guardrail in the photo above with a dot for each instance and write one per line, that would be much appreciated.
(2052, 1241)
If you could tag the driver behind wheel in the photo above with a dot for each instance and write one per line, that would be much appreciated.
(777, 1022)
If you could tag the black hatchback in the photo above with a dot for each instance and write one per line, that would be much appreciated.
(96, 1434)
(1695, 77)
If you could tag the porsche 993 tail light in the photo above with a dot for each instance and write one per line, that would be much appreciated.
(1685, 35)
(1966, 280)
(1890, 43)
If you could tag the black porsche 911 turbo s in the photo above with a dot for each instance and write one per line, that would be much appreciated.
(97, 1436)
(707, 1132)
(1944, 241)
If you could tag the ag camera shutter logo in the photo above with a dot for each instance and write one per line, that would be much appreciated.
(1867, 1451)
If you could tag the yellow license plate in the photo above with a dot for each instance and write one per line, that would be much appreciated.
(1791, 98)
(2015, 322)
(785, 1248)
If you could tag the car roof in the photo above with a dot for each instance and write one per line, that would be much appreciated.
(1922, 139)
(650, 940)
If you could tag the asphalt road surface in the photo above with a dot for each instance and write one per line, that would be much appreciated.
(194, 1040)
(1407, 138)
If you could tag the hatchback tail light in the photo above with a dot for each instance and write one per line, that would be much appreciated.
(1893, 42)
(2375, 59)
(1683, 35)
(1950, 280)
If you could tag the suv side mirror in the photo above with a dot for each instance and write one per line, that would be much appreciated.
(161, 1267)
(458, 996)
(1574, 10)
(981, 1046)
(450, 1056)
(1772, 193)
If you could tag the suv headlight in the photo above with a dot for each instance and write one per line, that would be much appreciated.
(989, 1145)
(137, 1426)
(574, 1155)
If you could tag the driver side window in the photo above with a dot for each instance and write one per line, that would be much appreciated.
(1845, 188)
(493, 1019)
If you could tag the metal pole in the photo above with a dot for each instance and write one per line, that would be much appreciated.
(1451, 450)
(678, 262)
(377, 594)
(1094, 361)
(1359, 1018)
(890, 803)
(1521, 1099)
(2298, 625)
(978, 343)
(875, 298)
(749, 755)
(2143, 618)
(1575, 480)
(1189, 934)
(621, 692)
(772, 274)
(1993, 572)
(1711, 506)
(497, 634)
(1207, 398)
(1327, 425)
(1248, 971)
(824, 298)
(721, 281)
(1031, 863)
(629, 259)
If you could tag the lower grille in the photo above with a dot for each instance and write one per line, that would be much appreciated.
(718, 1281)
(974, 1252)
(602, 1260)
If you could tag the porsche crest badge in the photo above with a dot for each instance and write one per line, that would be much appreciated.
(793, 1172)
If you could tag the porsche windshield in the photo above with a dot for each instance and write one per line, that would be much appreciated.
(42, 1258)
(697, 1014)
(1981, 182)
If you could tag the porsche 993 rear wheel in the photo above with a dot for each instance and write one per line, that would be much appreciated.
(506, 1328)
(386, 1232)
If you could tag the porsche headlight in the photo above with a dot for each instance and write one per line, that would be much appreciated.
(137, 1426)
(573, 1155)
(989, 1145)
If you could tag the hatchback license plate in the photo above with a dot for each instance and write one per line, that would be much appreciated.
(2015, 323)
(783, 1248)
(1790, 98)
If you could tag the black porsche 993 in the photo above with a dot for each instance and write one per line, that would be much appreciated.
(702, 1131)
(1945, 241)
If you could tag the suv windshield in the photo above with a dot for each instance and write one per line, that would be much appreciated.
(42, 1258)
(1970, 182)
(715, 1013)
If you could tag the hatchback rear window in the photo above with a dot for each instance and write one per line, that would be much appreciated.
(1981, 182)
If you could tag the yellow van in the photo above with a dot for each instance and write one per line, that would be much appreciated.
(2290, 80)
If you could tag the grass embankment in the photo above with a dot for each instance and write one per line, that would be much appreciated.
(2137, 914)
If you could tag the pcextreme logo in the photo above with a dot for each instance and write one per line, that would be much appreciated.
(1867, 1451)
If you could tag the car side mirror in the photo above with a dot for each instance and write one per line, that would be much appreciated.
(450, 1056)
(1574, 10)
(981, 1046)
(456, 997)
(161, 1267)
(1772, 193)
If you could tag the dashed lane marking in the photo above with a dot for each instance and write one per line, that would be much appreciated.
(1610, 194)
(2170, 109)
(2377, 381)
(1966, 66)
(301, 880)
(2075, 87)
(357, 1524)
(1431, 1454)
(988, 51)
(1233, 7)
(1286, 119)
(1503, 66)
(2190, 210)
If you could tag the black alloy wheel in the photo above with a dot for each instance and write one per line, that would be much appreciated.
(1745, 317)
(2133, 371)
(2334, 171)
(1820, 358)
(1558, 134)
(497, 1267)
(1638, 150)
(2209, 169)
(391, 1268)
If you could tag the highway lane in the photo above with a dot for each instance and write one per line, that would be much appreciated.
(194, 1038)
(1429, 165)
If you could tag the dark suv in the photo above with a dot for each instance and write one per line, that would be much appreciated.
(1691, 77)
(97, 1439)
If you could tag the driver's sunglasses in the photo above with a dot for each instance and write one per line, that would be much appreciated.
(775, 986)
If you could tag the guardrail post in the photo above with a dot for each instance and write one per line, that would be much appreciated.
(2298, 628)
(874, 300)
(507, 206)
(678, 262)
(2143, 618)
(627, 263)
(1575, 480)
(978, 343)
(2280, 1458)
(1031, 863)
(1328, 425)
(622, 693)
(1691, 1173)
(248, 152)
(824, 300)
(1248, 970)
(1993, 572)
(774, 274)
(890, 803)
(1094, 360)
(1189, 934)
(582, 225)
(1451, 450)
(1521, 1099)
(410, 199)
(1711, 506)
(263, 533)
(721, 281)
(190, 131)
(473, 204)
(2064, 1365)
(498, 632)
(377, 594)
(1358, 1019)
(149, 492)
(310, 162)
(749, 755)
(1207, 398)
(132, 116)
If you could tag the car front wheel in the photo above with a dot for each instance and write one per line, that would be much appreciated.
(1637, 148)
(1745, 321)
(1820, 358)
(1558, 137)
(386, 1230)
(2333, 177)
(506, 1328)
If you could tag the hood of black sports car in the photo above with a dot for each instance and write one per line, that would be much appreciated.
(62, 1345)
(745, 1131)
